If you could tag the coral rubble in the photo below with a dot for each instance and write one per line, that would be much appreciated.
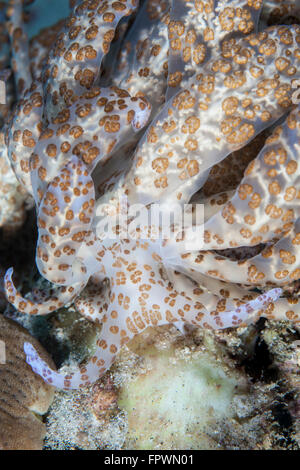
(23, 395)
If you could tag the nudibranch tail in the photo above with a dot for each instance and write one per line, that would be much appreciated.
(246, 313)
(107, 346)
(41, 368)
(111, 341)
(47, 303)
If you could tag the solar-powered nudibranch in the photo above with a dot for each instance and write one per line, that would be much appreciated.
(79, 147)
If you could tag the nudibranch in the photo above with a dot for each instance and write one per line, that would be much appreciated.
(202, 82)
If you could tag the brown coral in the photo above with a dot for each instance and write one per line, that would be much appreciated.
(23, 394)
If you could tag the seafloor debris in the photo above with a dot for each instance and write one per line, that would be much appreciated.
(197, 391)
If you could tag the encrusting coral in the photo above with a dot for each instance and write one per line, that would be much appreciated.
(71, 144)
(23, 394)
